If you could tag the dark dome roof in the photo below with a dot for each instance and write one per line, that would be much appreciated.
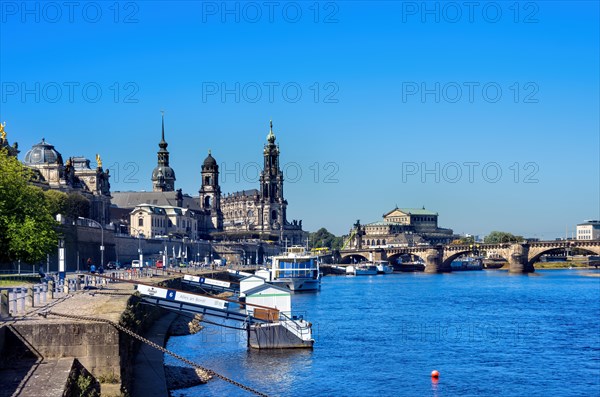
(167, 172)
(209, 161)
(42, 153)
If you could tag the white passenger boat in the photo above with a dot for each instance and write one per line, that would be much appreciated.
(365, 269)
(296, 270)
(384, 267)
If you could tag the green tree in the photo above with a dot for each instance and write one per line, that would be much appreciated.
(56, 201)
(323, 238)
(27, 228)
(496, 237)
(77, 205)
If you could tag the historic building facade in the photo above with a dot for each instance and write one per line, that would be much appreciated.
(163, 176)
(157, 221)
(257, 213)
(402, 227)
(73, 176)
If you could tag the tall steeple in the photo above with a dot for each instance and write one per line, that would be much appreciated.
(163, 176)
(210, 191)
(271, 186)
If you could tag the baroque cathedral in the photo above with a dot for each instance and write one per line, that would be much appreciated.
(249, 214)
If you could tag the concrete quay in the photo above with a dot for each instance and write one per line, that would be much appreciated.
(50, 356)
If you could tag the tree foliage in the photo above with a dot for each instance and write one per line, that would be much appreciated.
(497, 237)
(77, 205)
(463, 241)
(56, 201)
(323, 238)
(27, 228)
(72, 205)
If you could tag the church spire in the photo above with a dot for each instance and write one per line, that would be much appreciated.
(163, 176)
(163, 144)
(163, 124)
(271, 136)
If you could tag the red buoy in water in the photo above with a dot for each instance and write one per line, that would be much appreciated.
(435, 374)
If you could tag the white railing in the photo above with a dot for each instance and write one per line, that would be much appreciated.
(300, 328)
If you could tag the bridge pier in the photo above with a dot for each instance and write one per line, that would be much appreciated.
(434, 261)
(518, 259)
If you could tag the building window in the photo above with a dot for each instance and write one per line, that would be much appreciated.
(274, 215)
(207, 180)
(141, 222)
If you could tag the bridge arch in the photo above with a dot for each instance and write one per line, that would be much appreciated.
(352, 258)
(455, 254)
(536, 253)
(392, 258)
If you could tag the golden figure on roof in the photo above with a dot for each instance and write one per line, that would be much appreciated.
(2, 132)
(98, 160)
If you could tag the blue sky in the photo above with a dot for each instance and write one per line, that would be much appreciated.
(489, 115)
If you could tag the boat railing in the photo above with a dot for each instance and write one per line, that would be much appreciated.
(302, 331)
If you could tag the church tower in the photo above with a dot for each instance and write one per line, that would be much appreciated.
(163, 176)
(210, 191)
(271, 186)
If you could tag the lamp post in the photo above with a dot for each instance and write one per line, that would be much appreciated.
(102, 238)
(139, 237)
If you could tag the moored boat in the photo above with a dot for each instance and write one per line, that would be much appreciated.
(384, 267)
(470, 263)
(296, 270)
(365, 269)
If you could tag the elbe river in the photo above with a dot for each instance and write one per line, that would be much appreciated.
(488, 333)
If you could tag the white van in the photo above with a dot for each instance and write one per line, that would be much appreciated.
(135, 263)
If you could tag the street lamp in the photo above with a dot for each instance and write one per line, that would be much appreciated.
(102, 238)
(139, 237)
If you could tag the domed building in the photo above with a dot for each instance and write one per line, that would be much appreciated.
(44, 158)
(74, 176)
(163, 176)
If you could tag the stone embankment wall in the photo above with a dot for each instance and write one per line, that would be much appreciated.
(104, 351)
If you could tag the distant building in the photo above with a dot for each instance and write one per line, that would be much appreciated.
(257, 213)
(74, 176)
(126, 206)
(403, 227)
(155, 221)
(589, 230)
(163, 176)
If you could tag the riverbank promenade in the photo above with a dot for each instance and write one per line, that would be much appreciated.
(45, 353)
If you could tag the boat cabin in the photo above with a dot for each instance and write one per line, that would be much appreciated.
(271, 296)
(250, 282)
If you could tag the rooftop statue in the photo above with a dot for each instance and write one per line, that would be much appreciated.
(2, 132)
(99, 160)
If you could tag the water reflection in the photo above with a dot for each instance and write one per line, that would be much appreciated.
(281, 367)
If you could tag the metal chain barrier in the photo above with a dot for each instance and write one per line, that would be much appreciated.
(210, 372)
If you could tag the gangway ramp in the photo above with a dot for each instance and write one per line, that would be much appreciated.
(238, 273)
(211, 284)
(183, 301)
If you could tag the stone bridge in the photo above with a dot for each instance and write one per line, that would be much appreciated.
(520, 256)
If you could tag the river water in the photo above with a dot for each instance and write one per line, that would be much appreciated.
(488, 333)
